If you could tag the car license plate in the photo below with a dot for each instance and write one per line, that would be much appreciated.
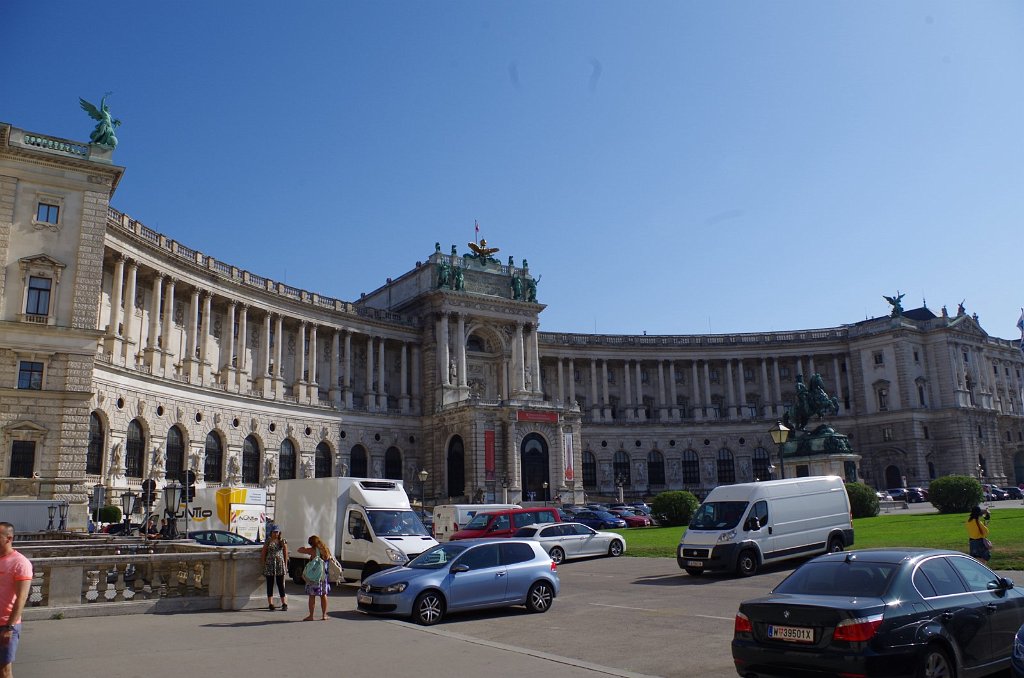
(695, 563)
(364, 599)
(793, 634)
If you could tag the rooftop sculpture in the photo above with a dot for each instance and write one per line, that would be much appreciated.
(103, 135)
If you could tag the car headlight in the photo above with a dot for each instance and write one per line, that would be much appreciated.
(727, 536)
(1018, 648)
(396, 556)
(396, 588)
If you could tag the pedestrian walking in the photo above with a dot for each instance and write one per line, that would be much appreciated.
(275, 559)
(15, 583)
(316, 575)
(977, 534)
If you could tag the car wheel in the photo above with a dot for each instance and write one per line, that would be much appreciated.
(746, 564)
(540, 597)
(615, 548)
(694, 571)
(935, 664)
(835, 545)
(557, 555)
(428, 608)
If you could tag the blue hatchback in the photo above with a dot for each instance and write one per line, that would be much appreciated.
(469, 574)
(599, 520)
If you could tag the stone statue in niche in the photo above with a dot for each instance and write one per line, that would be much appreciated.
(234, 471)
(453, 371)
(116, 460)
(307, 468)
(378, 471)
(528, 378)
(157, 470)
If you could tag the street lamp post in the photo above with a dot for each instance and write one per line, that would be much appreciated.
(779, 434)
(62, 509)
(52, 510)
(620, 480)
(99, 496)
(172, 498)
(504, 489)
(129, 504)
(422, 475)
(545, 486)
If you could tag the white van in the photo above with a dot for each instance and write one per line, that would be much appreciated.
(741, 527)
(450, 518)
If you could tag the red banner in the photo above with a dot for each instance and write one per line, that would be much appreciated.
(489, 455)
(547, 417)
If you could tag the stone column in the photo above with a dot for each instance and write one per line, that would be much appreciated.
(346, 389)
(334, 392)
(674, 393)
(560, 396)
(849, 386)
(417, 384)
(810, 368)
(515, 485)
(463, 382)
(517, 360)
(370, 395)
(191, 358)
(743, 388)
(731, 408)
(800, 369)
(662, 412)
(835, 381)
(641, 413)
(299, 378)
(403, 395)
(766, 397)
(313, 388)
(243, 361)
(707, 392)
(442, 349)
(204, 339)
(382, 391)
(152, 350)
(628, 396)
(595, 406)
(117, 289)
(606, 404)
(778, 386)
(535, 342)
(167, 355)
(698, 409)
(227, 347)
(278, 371)
(572, 382)
(128, 324)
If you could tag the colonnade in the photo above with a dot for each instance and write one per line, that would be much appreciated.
(734, 380)
(191, 358)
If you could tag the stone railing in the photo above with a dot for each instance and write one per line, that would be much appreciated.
(100, 576)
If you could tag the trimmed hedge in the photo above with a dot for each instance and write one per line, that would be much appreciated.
(110, 514)
(674, 508)
(863, 500)
(955, 494)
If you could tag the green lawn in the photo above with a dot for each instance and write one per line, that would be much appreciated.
(901, 529)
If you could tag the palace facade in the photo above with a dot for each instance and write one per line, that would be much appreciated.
(126, 355)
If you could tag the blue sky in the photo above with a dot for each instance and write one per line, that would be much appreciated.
(668, 167)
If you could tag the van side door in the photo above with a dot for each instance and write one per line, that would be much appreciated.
(757, 526)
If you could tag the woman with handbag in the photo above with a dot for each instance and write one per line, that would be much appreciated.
(979, 546)
(316, 575)
(275, 555)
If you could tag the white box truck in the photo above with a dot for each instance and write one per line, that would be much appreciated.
(741, 527)
(366, 522)
(241, 510)
(30, 515)
(450, 518)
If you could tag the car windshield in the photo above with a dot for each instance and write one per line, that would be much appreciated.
(479, 521)
(437, 557)
(840, 578)
(718, 515)
(626, 513)
(396, 523)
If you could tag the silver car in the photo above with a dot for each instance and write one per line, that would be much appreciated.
(573, 540)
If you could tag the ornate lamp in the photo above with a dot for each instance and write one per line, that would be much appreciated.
(422, 475)
(52, 510)
(504, 488)
(129, 504)
(62, 509)
(545, 486)
(172, 498)
(780, 434)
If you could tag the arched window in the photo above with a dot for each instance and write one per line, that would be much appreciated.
(175, 453)
(456, 467)
(589, 470)
(212, 468)
(655, 468)
(251, 460)
(691, 468)
(286, 466)
(762, 464)
(94, 457)
(620, 467)
(134, 447)
(322, 461)
(726, 467)
(359, 462)
(393, 464)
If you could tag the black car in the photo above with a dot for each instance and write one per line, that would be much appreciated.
(883, 612)
(1014, 492)
(220, 538)
(599, 520)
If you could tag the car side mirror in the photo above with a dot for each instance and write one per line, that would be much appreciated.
(753, 524)
(455, 569)
(492, 528)
(1006, 582)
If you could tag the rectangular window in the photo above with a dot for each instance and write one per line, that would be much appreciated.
(879, 358)
(917, 358)
(926, 433)
(784, 372)
(713, 376)
(47, 214)
(38, 302)
(883, 399)
(967, 357)
(23, 458)
(30, 375)
(995, 370)
(643, 377)
(748, 374)
(887, 434)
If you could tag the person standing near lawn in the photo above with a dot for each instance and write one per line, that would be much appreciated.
(977, 534)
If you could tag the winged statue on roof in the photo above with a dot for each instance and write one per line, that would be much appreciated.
(103, 134)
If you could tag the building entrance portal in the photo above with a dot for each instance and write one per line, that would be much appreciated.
(534, 455)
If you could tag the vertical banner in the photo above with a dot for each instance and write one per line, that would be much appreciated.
(567, 447)
(489, 455)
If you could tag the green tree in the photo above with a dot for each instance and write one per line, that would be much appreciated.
(674, 508)
(955, 494)
(110, 514)
(863, 500)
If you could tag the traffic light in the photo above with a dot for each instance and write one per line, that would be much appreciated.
(189, 485)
